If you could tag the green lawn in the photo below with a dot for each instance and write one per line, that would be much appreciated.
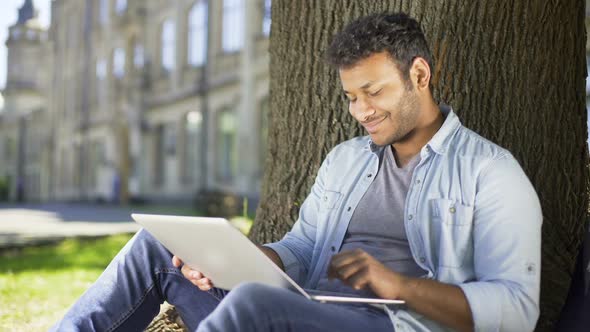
(37, 285)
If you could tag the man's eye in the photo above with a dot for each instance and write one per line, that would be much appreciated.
(349, 99)
(373, 94)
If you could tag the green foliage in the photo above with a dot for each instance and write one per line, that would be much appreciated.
(4, 187)
(37, 285)
(243, 223)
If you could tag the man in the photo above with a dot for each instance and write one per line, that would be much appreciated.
(422, 210)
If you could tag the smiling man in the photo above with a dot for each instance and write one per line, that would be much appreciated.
(422, 209)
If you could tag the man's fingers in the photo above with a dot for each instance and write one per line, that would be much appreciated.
(347, 257)
(204, 284)
(358, 280)
(196, 278)
(177, 262)
(190, 273)
(345, 271)
(344, 259)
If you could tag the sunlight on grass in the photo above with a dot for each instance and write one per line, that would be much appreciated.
(38, 285)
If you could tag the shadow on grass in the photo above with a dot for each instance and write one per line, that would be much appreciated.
(93, 253)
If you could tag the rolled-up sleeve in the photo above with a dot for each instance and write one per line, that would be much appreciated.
(296, 247)
(507, 250)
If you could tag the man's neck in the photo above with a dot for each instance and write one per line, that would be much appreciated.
(427, 127)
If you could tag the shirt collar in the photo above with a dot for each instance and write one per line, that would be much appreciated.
(441, 141)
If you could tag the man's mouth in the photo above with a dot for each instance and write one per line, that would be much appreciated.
(372, 125)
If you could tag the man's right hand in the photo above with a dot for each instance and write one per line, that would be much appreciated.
(194, 276)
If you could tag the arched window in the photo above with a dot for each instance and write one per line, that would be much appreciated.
(226, 145)
(266, 21)
(119, 62)
(233, 25)
(197, 34)
(104, 11)
(138, 56)
(192, 145)
(120, 6)
(168, 40)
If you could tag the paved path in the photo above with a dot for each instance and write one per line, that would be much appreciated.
(28, 224)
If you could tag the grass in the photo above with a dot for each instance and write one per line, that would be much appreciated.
(37, 285)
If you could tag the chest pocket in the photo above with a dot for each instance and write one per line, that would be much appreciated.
(453, 227)
(329, 200)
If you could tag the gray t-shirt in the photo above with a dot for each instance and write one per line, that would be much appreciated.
(377, 224)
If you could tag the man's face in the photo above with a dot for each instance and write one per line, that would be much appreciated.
(385, 104)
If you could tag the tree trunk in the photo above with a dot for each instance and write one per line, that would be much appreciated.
(513, 70)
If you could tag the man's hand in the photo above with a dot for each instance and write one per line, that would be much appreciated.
(441, 302)
(360, 270)
(204, 283)
(194, 276)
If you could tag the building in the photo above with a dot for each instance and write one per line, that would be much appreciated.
(23, 131)
(137, 99)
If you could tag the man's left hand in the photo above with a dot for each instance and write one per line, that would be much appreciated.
(359, 270)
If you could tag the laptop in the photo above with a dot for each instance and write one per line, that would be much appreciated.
(226, 256)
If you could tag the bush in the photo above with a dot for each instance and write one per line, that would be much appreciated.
(218, 204)
(4, 188)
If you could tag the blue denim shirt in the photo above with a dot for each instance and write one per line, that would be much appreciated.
(472, 219)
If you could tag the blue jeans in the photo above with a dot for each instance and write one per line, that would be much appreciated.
(128, 294)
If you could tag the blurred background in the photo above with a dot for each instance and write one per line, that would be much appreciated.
(129, 101)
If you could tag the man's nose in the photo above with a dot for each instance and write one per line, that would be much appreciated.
(361, 109)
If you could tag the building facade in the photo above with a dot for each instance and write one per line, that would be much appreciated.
(141, 99)
(24, 136)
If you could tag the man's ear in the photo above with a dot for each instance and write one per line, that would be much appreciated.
(420, 74)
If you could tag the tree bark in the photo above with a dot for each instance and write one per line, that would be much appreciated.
(512, 70)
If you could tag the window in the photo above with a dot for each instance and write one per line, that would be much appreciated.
(266, 18)
(233, 25)
(10, 149)
(168, 45)
(138, 56)
(16, 33)
(101, 69)
(104, 11)
(226, 145)
(192, 144)
(158, 156)
(119, 62)
(101, 74)
(120, 6)
(169, 140)
(93, 164)
(197, 35)
(31, 34)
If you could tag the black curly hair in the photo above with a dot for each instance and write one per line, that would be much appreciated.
(396, 33)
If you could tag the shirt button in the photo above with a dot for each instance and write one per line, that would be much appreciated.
(333, 248)
(422, 259)
(349, 208)
(370, 174)
(418, 181)
(325, 198)
(410, 217)
(452, 209)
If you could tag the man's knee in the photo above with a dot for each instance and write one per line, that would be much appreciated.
(253, 293)
(142, 246)
(244, 308)
(252, 298)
